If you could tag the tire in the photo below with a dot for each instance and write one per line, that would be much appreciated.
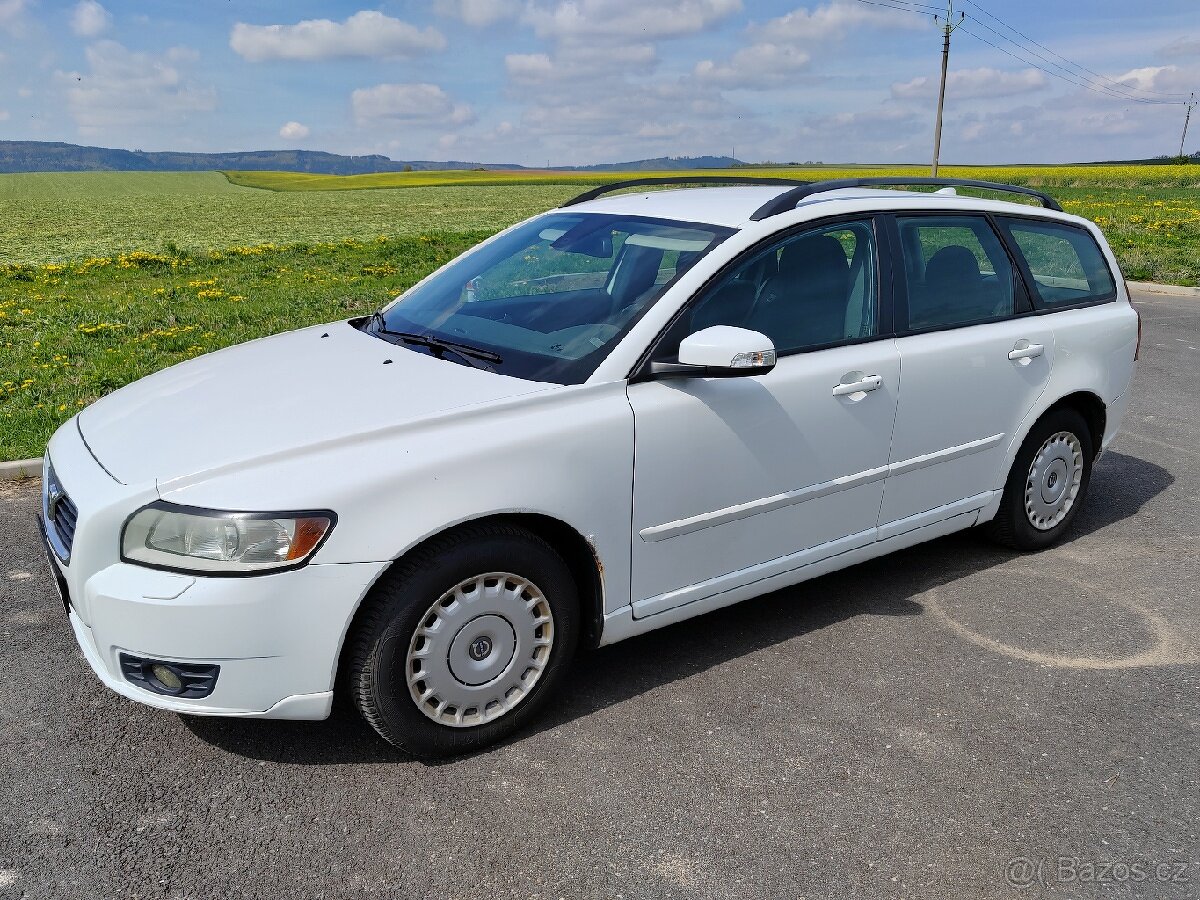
(1047, 484)
(485, 619)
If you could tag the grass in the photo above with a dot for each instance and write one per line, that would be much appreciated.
(70, 333)
(1035, 176)
(106, 277)
(57, 217)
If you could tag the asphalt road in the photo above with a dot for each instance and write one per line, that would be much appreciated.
(905, 728)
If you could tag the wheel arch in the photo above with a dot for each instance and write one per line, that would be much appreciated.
(577, 552)
(1088, 405)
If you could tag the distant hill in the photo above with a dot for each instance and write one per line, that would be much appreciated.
(44, 156)
(659, 164)
(1156, 161)
(54, 156)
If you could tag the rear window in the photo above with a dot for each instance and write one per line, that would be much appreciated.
(1067, 265)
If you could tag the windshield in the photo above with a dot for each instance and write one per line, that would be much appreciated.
(549, 299)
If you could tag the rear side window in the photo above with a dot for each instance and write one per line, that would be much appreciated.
(1067, 265)
(956, 270)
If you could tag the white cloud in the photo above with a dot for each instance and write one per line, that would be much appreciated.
(123, 87)
(293, 131)
(90, 19)
(974, 84)
(4, 115)
(781, 47)
(364, 34)
(11, 15)
(758, 65)
(476, 13)
(1154, 78)
(10, 9)
(574, 63)
(584, 20)
(833, 21)
(1181, 47)
(414, 104)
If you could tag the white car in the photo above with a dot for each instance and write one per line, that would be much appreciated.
(622, 413)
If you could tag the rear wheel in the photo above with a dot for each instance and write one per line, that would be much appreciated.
(463, 640)
(1047, 484)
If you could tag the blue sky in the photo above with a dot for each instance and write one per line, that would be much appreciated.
(584, 81)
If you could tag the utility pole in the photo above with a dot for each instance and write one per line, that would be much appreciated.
(1187, 117)
(948, 25)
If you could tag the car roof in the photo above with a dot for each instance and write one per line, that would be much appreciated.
(732, 207)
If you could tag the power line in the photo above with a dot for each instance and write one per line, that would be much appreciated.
(1066, 74)
(1063, 73)
(1072, 64)
(891, 6)
(1097, 89)
(912, 3)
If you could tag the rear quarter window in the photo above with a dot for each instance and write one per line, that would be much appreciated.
(1066, 263)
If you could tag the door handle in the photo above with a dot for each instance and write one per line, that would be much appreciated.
(1026, 350)
(866, 383)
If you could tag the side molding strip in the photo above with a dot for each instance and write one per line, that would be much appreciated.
(812, 492)
(755, 507)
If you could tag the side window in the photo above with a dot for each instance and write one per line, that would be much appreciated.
(956, 270)
(1066, 264)
(809, 290)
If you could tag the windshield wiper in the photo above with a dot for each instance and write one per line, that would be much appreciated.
(466, 351)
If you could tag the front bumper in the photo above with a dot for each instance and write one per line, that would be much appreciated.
(275, 637)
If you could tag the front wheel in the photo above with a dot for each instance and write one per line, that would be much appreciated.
(1047, 483)
(463, 640)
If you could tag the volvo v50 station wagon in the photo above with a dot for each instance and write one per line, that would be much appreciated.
(623, 413)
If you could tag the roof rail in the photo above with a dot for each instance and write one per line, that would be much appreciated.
(788, 200)
(683, 179)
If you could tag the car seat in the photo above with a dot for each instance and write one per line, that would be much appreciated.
(804, 304)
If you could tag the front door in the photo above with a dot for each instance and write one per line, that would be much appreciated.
(740, 479)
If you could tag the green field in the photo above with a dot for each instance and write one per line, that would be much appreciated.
(56, 217)
(106, 277)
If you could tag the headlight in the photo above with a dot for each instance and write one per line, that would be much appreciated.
(214, 542)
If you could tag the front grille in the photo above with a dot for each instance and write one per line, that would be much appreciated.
(60, 511)
(65, 517)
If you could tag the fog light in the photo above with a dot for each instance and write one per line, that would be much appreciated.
(166, 678)
(187, 681)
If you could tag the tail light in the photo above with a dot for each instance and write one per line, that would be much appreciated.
(1137, 348)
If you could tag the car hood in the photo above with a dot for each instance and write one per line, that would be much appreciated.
(275, 395)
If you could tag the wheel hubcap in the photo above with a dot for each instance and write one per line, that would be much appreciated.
(480, 649)
(1053, 482)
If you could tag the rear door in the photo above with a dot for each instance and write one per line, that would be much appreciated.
(973, 364)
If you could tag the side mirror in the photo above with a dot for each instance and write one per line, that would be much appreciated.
(721, 351)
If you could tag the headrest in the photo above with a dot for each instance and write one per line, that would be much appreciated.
(812, 255)
(951, 267)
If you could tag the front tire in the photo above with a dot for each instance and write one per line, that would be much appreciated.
(462, 641)
(1047, 484)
